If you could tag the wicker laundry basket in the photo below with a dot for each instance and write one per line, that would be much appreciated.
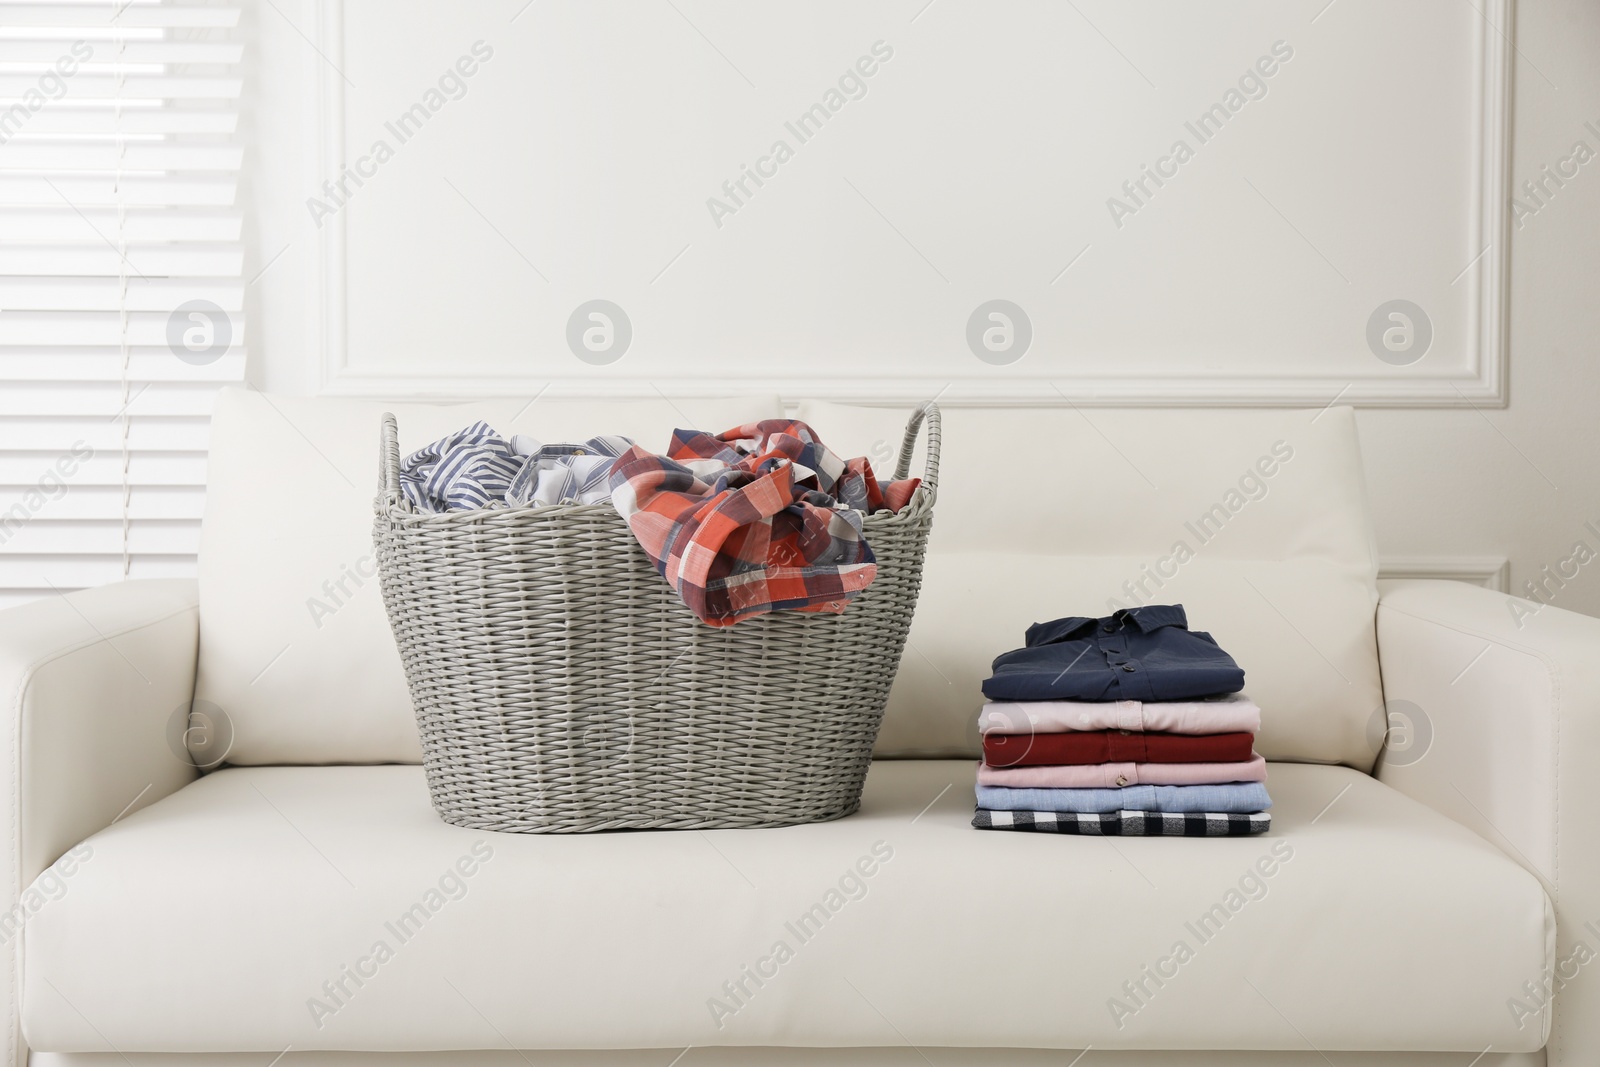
(561, 686)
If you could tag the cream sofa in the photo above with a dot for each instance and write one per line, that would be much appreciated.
(1408, 907)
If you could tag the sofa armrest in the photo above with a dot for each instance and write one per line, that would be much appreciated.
(90, 684)
(1502, 707)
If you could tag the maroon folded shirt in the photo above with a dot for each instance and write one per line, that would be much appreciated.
(1114, 746)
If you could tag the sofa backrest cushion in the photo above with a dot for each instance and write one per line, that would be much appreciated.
(1255, 520)
(295, 647)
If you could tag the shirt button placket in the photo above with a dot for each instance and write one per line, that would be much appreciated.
(1129, 715)
(1115, 648)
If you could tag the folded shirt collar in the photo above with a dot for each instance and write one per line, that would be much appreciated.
(1154, 616)
(1145, 619)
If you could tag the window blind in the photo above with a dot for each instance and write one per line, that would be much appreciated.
(121, 287)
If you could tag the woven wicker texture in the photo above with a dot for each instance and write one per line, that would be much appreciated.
(561, 686)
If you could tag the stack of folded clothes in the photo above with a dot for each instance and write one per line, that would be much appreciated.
(1132, 724)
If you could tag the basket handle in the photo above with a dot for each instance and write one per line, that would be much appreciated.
(927, 414)
(389, 457)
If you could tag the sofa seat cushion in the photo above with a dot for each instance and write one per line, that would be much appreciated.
(329, 908)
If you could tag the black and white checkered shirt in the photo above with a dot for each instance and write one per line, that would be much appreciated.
(1127, 823)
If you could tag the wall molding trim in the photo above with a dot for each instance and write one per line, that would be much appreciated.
(1491, 572)
(1483, 385)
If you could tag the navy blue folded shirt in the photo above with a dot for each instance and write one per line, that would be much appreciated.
(1146, 654)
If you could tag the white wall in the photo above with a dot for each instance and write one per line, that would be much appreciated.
(1521, 482)
(578, 161)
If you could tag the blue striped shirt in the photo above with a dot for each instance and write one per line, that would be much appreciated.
(477, 468)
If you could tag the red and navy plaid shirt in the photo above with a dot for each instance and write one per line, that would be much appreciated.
(760, 518)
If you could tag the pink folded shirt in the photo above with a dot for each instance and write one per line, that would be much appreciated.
(1117, 775)
(1232, 714)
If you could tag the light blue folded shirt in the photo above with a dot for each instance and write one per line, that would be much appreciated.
(1234, 797)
